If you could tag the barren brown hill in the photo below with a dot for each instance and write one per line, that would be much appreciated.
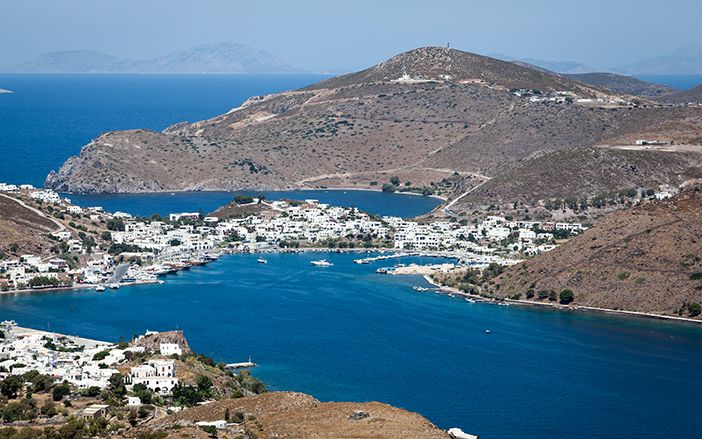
(624, 84)
(23, 230)
(298, 416)
(686, 96)
(647, 259)
(421, 115)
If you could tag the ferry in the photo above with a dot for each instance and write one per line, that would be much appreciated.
(321, 263)
(262, 261)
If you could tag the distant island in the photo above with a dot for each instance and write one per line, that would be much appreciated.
(207, 58)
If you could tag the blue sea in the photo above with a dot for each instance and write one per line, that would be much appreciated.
(681, 82)
(345, 332)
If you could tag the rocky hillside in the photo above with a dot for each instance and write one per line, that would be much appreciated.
(686, 96)
(647, 259)
(422, 115)
(23, 230)
(624, 84)
(296, 415)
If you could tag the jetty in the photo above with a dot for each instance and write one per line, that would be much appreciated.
(370, 259)
(243, 365)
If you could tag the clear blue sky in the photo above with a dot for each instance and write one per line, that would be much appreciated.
(318, 35)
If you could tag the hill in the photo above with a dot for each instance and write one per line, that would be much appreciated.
(686, 96)
(647, 259)
(70, 61)
(23, 230)
(422, 116)
(206, 58)
(624, 84)
(684, 61)
(296, 415)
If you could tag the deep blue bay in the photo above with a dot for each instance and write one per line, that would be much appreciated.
(345, 332)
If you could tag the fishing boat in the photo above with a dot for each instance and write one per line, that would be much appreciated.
(262, 261)
(321, 263)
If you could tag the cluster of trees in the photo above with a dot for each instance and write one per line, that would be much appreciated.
(599, 201)
(26, 408)
(189, 396)
(565, 297)
(43, 281)
(115, 224)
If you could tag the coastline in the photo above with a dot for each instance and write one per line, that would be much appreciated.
(558, 307)
(236, 191)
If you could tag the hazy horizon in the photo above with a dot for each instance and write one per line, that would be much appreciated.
(321, 36)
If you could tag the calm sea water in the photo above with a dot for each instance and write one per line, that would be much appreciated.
(50, 117)
(381, 203)
(681, 82)
(346, 333)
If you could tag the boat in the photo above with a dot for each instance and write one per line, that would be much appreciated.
(469, 300)
(114, 286)
(487, 331)
(321, 263)
(100, 288)
(415, 288)
(261, 261)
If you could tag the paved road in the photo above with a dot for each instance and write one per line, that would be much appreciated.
(120, 271)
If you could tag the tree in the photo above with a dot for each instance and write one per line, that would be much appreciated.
(60, 391)
(694, 309)
(116, 385)
(204, 384)
(389, 187)
(11, 386)
(566, 297)
(395, 180)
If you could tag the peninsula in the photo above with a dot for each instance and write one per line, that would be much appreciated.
(441, 120)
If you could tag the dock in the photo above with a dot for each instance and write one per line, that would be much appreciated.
(243, 365)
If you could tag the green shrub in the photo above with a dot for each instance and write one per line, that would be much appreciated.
(566, 297)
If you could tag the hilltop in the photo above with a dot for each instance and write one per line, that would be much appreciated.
(647, 259)
(206, 58)
(438, 119)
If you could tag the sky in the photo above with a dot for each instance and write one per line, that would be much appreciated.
(320, 35)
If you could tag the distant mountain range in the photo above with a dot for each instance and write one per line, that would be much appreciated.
(684, 61)
(206, 58)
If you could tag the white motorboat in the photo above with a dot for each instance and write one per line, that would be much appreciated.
(321, 263)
